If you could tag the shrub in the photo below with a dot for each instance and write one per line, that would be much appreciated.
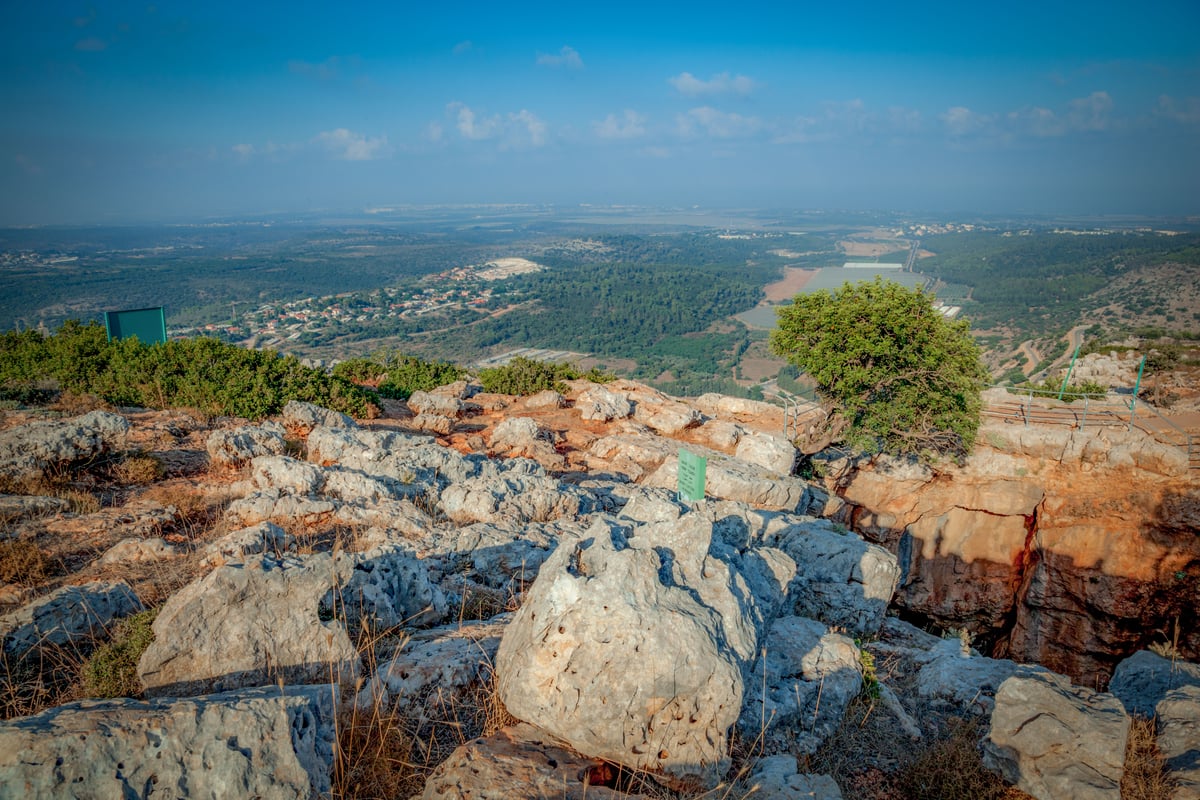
(526, 376)
(408, 374)
(136, 469)
(112, 669)
(22, 562)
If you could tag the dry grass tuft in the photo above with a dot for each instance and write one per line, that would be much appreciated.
(43, 678)
(137, 469)
(23, 563)
(951, 769)
(71, 404)
(1146, 776)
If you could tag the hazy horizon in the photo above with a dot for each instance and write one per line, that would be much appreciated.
(124, 112)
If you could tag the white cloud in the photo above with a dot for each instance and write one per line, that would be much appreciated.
(630, 125)
(1091, 113)
(722, 83)
(567, 57)
(321, 70)
(350, 146)
(434, 131)
(243, 150)
(515, 129)
(962, 121)
(717, 124)
(1036, 121)
(462, 47)
(1186, 111)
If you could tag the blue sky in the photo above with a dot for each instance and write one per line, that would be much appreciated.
(121, 112)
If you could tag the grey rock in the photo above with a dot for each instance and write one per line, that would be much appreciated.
(513, 496)
(1178, 716)
(271, 743)
(433, 423)
(545, 399)
(803, 681)
(14, 507)
(652, 505)
(966, 683)
(719, 434)
(633, 454)
(1141, 681)
(139, 551)
(436, 667)
(238, 446)
(264, 537)
(515, 433)
(67, 616)
(30, 450)
(1054, 740)
(598, 403)
(303, 417)
(669, 598)
(360, 449)
(388, 587)
(435, 404)
(732, 479)
(272, 504)
(725, 407)
(662, 413)
(250, 623)
(775, 453)
(285, 474)
(777, 778)
(516, 762)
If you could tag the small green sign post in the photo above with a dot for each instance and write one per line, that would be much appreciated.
(691, 476)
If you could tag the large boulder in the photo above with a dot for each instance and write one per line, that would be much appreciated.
(515, 495)
(518, 762)
(250, 623)
(435, 404)
(302, 417)
(777, 778)
(632, 645)
(964, 681)
(733, 479)
(1178, 716)
(1141, 681)
(1056, 740)
(67, 616)
(237, 446)
(766, 450)
(30, 450)
(275, 742)
(804, 680)
(598, 403)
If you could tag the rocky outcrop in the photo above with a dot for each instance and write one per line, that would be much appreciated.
(1141, 681)
(519, 761)
(238, 446)
(599, 404)
(132, 550)
(1055, 740)
(669, 597)
(733, 479)
(264, 537)
(960, 678)
(72, 615)
(300, 418)
(28, 451)
(276, 742)
(777, 778)
(1178, 717)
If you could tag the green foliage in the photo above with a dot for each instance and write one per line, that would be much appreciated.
(408, 374)
(112, 669)
(204, 374)
(526, 376)
(360, 370)
(905, 379)
(1073, 391)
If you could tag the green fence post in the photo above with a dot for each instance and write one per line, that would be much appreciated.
(1136, 387)
(1070, 369)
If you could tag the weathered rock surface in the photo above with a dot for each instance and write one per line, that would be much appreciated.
(733, 479)
(435, 404)
(809, 675)
(517, 762)
(1178, 716)
(250, 623)
(661, 412)
(265, 743)
(777, 778)
(237, 446)
(139, 551)
(1141, 681)
(30, 450)
(769, 451)
(598, 403)
(66, 616)
(667, 597)
(967, 682)
(14, 507)
(264, 537)
(301, 417)
(519, 494)
(1055, 740)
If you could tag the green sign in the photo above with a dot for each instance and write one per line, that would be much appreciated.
(147, 324)
(691, 476)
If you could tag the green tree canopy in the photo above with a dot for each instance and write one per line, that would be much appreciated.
(894, 372)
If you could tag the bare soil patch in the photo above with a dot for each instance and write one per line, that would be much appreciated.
(794, 280)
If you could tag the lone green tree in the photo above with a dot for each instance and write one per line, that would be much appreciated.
(894, 374)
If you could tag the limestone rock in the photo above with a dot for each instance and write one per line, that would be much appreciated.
(264, 537)
(274, 743)
(70, 615)
(238, 446)
(32, 449)
(810, 675)
(598, 403)
(436, 665)
(737, 408)
(515, 433)
(719, 434)
(433, 423)
(139, 550)
(777, 778)
(772, 452)
(633, 454)
(387, 587)
(272, 504)
(544, 399)
(250, 623)
(14, 507)
(732, 479)
(1055, 740)
(662, 413)
(517, 762)
(668, 598)
(302, 417)
(513, 495)
(435, 404)
(968, 683)
(1141, 681)
(1178, 716)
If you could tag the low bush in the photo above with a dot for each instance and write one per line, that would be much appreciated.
(112, 669)
(22, 562)
(205, 374)
(525, 376)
